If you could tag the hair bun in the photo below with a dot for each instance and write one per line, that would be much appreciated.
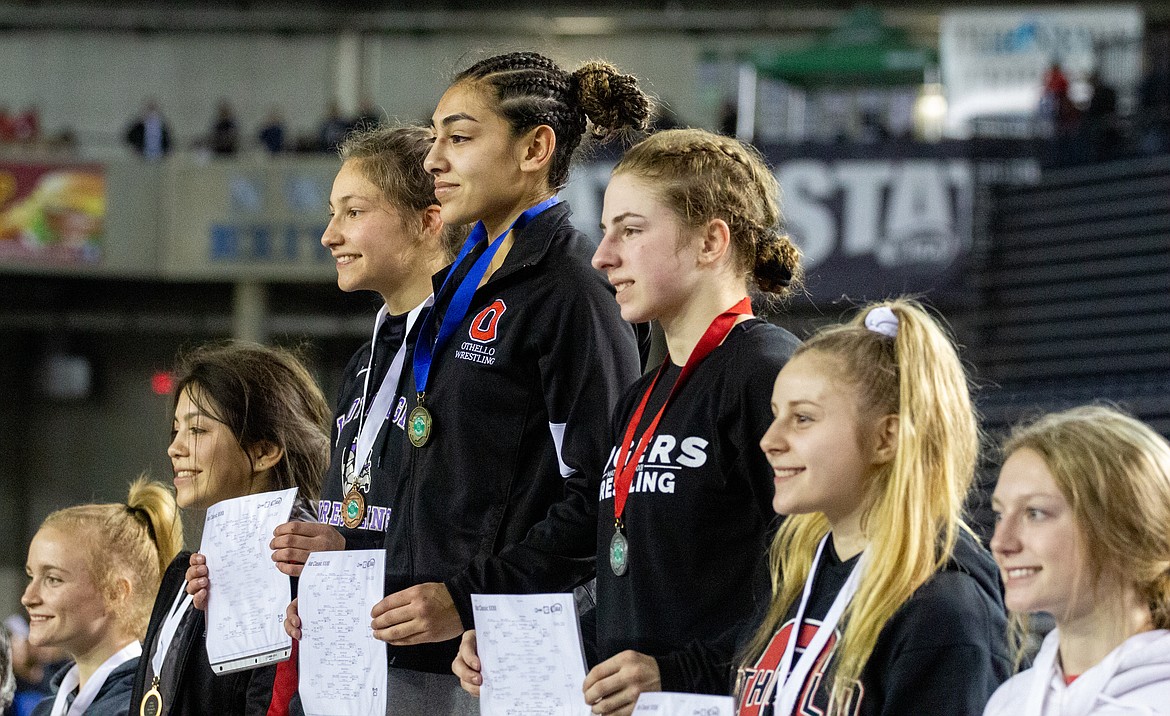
(612, 101)
(777, 263)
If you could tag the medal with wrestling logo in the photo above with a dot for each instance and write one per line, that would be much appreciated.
(420, 424)
(629, 455)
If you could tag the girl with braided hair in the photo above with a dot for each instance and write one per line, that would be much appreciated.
(679, 515)
(517, 365)
(93, 574)
(1083, 533)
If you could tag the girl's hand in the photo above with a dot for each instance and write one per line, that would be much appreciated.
(466, 665)
(292, 621)
(420, 614)
(198, 584)
(613, 686)
(293, 542)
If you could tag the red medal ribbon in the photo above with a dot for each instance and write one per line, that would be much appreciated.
(627, 464)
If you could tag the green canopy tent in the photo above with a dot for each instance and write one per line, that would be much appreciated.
(861, 52)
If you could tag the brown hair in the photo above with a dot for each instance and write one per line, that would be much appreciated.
(264, 394)
(704, 176)
(133, 541)
(391, 158)
(1114, 472)
(531, 90)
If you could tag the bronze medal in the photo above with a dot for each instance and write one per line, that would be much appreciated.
(419, 425)
(353, 508)
(152, 702)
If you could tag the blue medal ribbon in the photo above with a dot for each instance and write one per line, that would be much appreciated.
(428, 342)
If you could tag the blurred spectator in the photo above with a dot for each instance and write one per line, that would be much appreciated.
(872, 127)
(368, 116)
(1154, 98)
(728, 118)
(1101, 123)
(225, 134)
(664, 118)
(26, 126)
(6, 130)
(1057, 110)
(149, 134)
(33, 667)
(333, 129)
(7, 679)
(272, 132)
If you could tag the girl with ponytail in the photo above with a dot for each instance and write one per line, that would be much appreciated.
(1083, 533)
(93, 574)
(883, 601)
(679, 517)
(517, 365)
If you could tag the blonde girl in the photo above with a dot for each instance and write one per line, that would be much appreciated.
(1083, 533)
(93, 574)
(883, 602)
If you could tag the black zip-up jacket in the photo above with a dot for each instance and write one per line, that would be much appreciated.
(698, 519)
(943, 652)
(195, 688)
(385, 452)
(521, 398)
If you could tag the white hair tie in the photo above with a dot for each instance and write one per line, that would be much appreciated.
(881, 319)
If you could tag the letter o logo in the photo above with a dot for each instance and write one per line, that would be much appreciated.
(483, 326)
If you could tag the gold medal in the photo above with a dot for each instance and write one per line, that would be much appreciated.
(353, 508)
(418, 426)
(152, 702)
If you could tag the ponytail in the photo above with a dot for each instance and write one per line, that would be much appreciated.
(904, 365)
(155, 505)
(133, 542)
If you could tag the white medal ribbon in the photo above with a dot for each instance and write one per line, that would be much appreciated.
(789, 680)
(90, 691)
(368, 430)
(166, 634)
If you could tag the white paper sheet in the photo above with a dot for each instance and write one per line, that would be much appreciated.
(531, 656)
(248, 595)
(342, 665)
(666, 703)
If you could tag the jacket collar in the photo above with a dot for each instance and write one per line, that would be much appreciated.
(529, 247)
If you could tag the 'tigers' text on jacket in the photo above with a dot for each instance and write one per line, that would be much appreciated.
(660, 464)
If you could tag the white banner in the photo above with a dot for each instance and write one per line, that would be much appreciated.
(993, 60)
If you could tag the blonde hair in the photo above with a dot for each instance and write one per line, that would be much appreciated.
(1114, 472)
(134, 541)
(703, 176)
(914, 502)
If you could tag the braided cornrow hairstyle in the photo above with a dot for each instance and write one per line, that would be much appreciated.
(531, 90)
(704, 176)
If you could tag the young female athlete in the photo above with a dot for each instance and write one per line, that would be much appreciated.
(678, 516)
(1083, 502)
(248, 419)
(386, 236)
(93, 574)
(518, 363)
(883, 601)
